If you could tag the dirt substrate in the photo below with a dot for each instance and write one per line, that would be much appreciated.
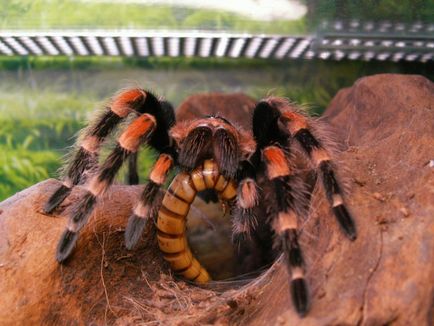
(385, 126)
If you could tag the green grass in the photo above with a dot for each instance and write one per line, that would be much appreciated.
(41, 120)
(35, 128)
(21, 168)
(77, 14)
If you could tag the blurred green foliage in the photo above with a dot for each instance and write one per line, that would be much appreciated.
(370, 10)
(34, 130)
(21, 168)
(40, 120)
(42, 14)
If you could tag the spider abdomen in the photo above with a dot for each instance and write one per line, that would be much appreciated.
(172, 217)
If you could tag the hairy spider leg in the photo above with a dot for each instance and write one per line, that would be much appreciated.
(133, 173)
(129, 142)
(297, 125)
(149, 203)
(169, 117)
(85, 158)
(168, 114)
(150, 200)
(275, 120)
(285, 224)
(273, 152)
(244, 218)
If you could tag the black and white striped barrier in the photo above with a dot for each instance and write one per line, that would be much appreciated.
(134, 43)
(375, 41)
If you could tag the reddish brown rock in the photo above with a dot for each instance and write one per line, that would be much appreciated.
(386, 125)
(237, 107)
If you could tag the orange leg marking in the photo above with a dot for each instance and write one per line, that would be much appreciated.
(121, 104)
(295, 121)
(142, 126)
(277, 164)
(161, 168)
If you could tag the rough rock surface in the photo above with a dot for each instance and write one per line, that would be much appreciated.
(385, 124)
(238, 107)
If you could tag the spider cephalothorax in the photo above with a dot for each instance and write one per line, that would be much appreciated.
(252, 171)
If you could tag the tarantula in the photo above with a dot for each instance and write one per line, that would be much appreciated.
(252, 171)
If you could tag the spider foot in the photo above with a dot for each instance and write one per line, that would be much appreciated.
(56, 199)
(345, 221)
(145, 210)
(300, 295)
(66, 245)
(134, 230)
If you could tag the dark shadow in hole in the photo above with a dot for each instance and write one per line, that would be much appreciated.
(210, 237)
(209, 231)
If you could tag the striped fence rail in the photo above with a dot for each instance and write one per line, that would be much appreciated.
(327, 44)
